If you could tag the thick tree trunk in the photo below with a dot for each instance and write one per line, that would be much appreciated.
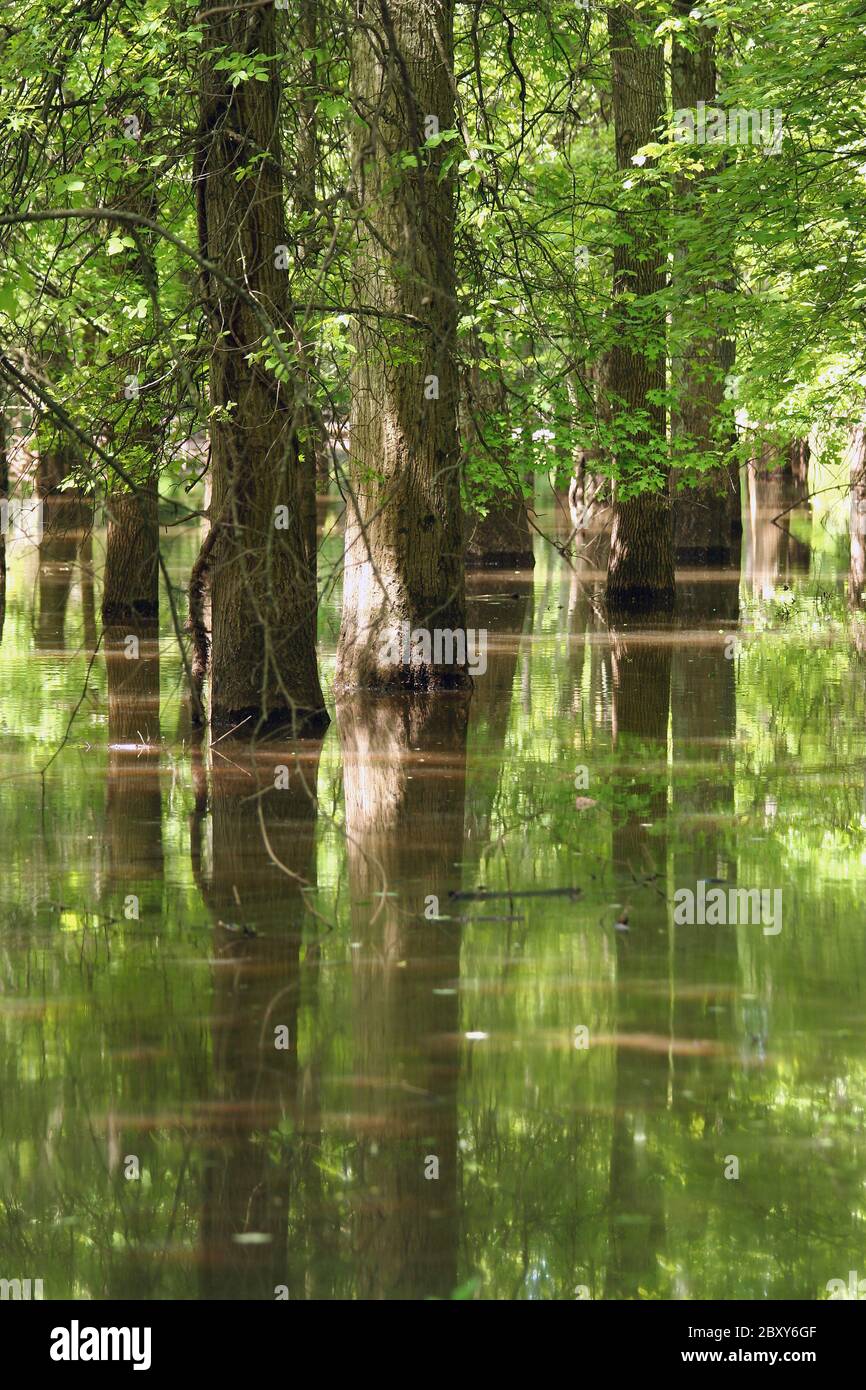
(263, 661)
(641, 565)
(702, 514)
(131, 580)
(404, 528)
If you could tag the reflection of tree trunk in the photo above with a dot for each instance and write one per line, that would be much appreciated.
(255, 1154)
(704, 958)
(404, 527)
(506, 620)
(67, 522)
(857, 522)
(641, 565)
(133, 814)
(131, 581)
(85, 578)
(56, 563)
(641, 672)
(774, 553)
(404, 825)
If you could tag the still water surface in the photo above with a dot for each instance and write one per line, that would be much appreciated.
(267, 1002)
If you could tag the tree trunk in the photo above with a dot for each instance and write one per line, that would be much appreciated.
(641, 565)
(131, 580)
(263, 660)
(800, 455)
(404, 528)
(701, 514)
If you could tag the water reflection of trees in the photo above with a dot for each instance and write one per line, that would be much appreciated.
(404, 770)
(254, 858)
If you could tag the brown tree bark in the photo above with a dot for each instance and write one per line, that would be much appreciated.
(701, 514)
(641, 564)
(131, 579)
(263, 660)
(404, 528)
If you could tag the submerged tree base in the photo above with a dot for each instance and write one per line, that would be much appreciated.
(705, 556)
(414, 680)
(640, 598)
(299, 723)
(500, 560)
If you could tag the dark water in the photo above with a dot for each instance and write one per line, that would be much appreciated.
(250, 1047)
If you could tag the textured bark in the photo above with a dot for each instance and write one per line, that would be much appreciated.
(502, 537)
(404, 529)
(404, 769)
(702, 514)
(263, 659)
(641, 563)
(131, 579)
